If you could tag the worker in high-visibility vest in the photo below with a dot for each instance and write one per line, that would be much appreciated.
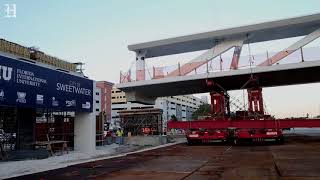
(119, 134)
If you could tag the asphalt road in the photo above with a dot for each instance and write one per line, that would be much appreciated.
(298, 158)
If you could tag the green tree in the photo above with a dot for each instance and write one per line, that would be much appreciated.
(174, 118)
(203, 110)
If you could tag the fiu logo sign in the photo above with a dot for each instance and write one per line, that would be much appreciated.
(5, 73)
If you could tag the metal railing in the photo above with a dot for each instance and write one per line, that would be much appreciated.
(220, 64)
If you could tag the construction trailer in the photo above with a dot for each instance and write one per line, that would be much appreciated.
(142, 121)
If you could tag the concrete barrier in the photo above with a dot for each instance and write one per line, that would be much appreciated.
(146, 140)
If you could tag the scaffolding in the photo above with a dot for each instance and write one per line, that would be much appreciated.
(51, 125)
(142, 121)
(35, 54)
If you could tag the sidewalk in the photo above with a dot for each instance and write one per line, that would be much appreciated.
(19, 168)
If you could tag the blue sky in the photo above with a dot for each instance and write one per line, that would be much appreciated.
(98, 32)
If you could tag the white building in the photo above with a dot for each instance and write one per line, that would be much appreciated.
(180, 106)
(205, 99)
(97, 101)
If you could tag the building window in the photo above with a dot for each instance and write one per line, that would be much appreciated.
(97, 101)
(118, 108)
(97, 93)
(97, 110)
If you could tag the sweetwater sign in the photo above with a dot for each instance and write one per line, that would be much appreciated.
(27, 85)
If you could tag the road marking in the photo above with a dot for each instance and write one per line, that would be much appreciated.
(228, 149)
(219, 154)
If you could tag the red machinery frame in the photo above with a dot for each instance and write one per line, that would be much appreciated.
(242, 128)
(251, 125)
(246, 123)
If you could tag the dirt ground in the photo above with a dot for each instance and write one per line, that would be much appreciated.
(297, 159)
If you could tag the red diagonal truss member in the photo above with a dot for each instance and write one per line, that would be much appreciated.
(187, 68)
(247, 123)
(235, 57)
(207, 56)
(158, 73)
(299, 44)
(125, 77)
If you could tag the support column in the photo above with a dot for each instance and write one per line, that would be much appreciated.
(255, 100)
(219, 104)
(140, 66)
(85, 130)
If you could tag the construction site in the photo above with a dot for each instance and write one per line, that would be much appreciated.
(140, 122)
(296, 159)
(249, 120)
(51, 111)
